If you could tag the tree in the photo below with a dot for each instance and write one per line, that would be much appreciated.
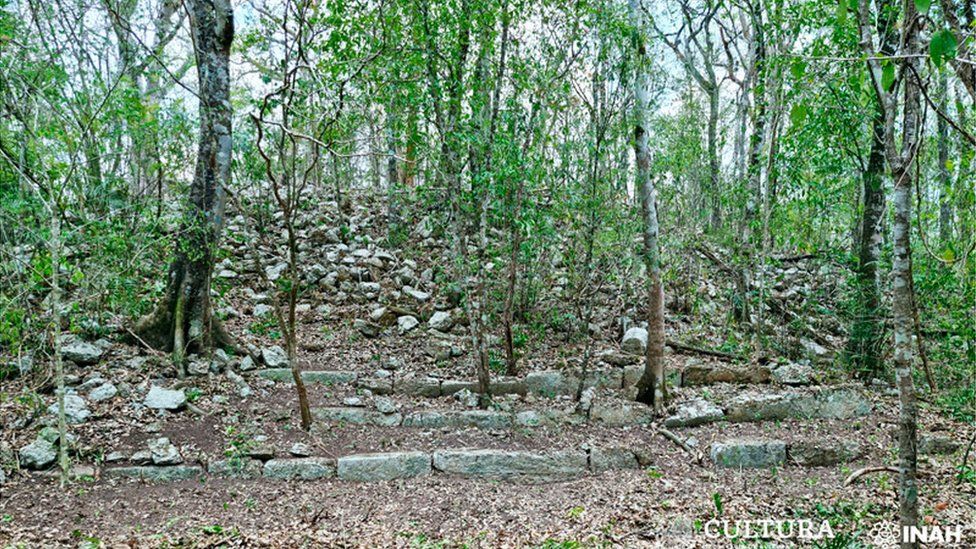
(650, 388)
(694, 45)
(183, 320)
(901, 161)
(288, 170)
(868, 330)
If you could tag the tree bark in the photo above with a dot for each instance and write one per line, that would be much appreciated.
(183, 319)
(714, 167)
(945, 178)
(392, 175)
(55, 249)
(868, 330)
(650, 387)
(902, 170)
(903, 329)
(740, 309)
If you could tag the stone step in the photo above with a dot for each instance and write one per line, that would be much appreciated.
(616, 413)
(752, 453)
(490, 463)
(842, 402)
(825, 402)
(546, 383)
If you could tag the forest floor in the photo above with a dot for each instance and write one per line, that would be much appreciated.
(663, 502)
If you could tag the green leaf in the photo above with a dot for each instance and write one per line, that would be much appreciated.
(798, 113)
(943, 46)
(887, 76)
(798, 68)
(923, 5)
(841, 12)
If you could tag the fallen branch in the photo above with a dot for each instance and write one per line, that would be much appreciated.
(876, 469)
(713, 257)
(867, 471)
(152, 351)
(195, 409)
(681, 444)
(795, 258)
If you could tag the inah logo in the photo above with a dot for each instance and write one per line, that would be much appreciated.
(889, 534)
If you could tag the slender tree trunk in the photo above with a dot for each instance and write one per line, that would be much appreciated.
(741, 117)
(965, 173)
(945, 178)
(901, 272)
(183, 320)
(650, 387)
(392, 175)
(868, 330)
(740, 310)
(903, 356)
(55, 248)
(291, 334)
(714, 167)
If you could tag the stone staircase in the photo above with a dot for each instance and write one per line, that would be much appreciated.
(742, 425)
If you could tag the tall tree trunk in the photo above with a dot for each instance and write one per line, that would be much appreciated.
(183, 320)
(868, 330)
(739, 145)
(965, 173)
(740, 309)
(392, 175)
(714, 167)
(55, 302)
(650, 387)
(901, 272)
(903, 356)
(945, 178)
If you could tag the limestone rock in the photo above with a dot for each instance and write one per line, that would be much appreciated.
(307, 468)
(75, 409)
(39, 454)
(388, 466)
(793, 373)
(156, 472)
(507, 463)
(634, 341)
(609, 459)
(937, 444)
(81, 352)
(163, 452)
(236, 468)
(416, 294)
(466, 398)
(159, 398)
(366, 328)
(748, 453)
(300, 449)
(441, 321)
(550, 383)
(385, 405)
(823, 453)
(274, 357)
(104, 391)
(694, 412)
(406, 323)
